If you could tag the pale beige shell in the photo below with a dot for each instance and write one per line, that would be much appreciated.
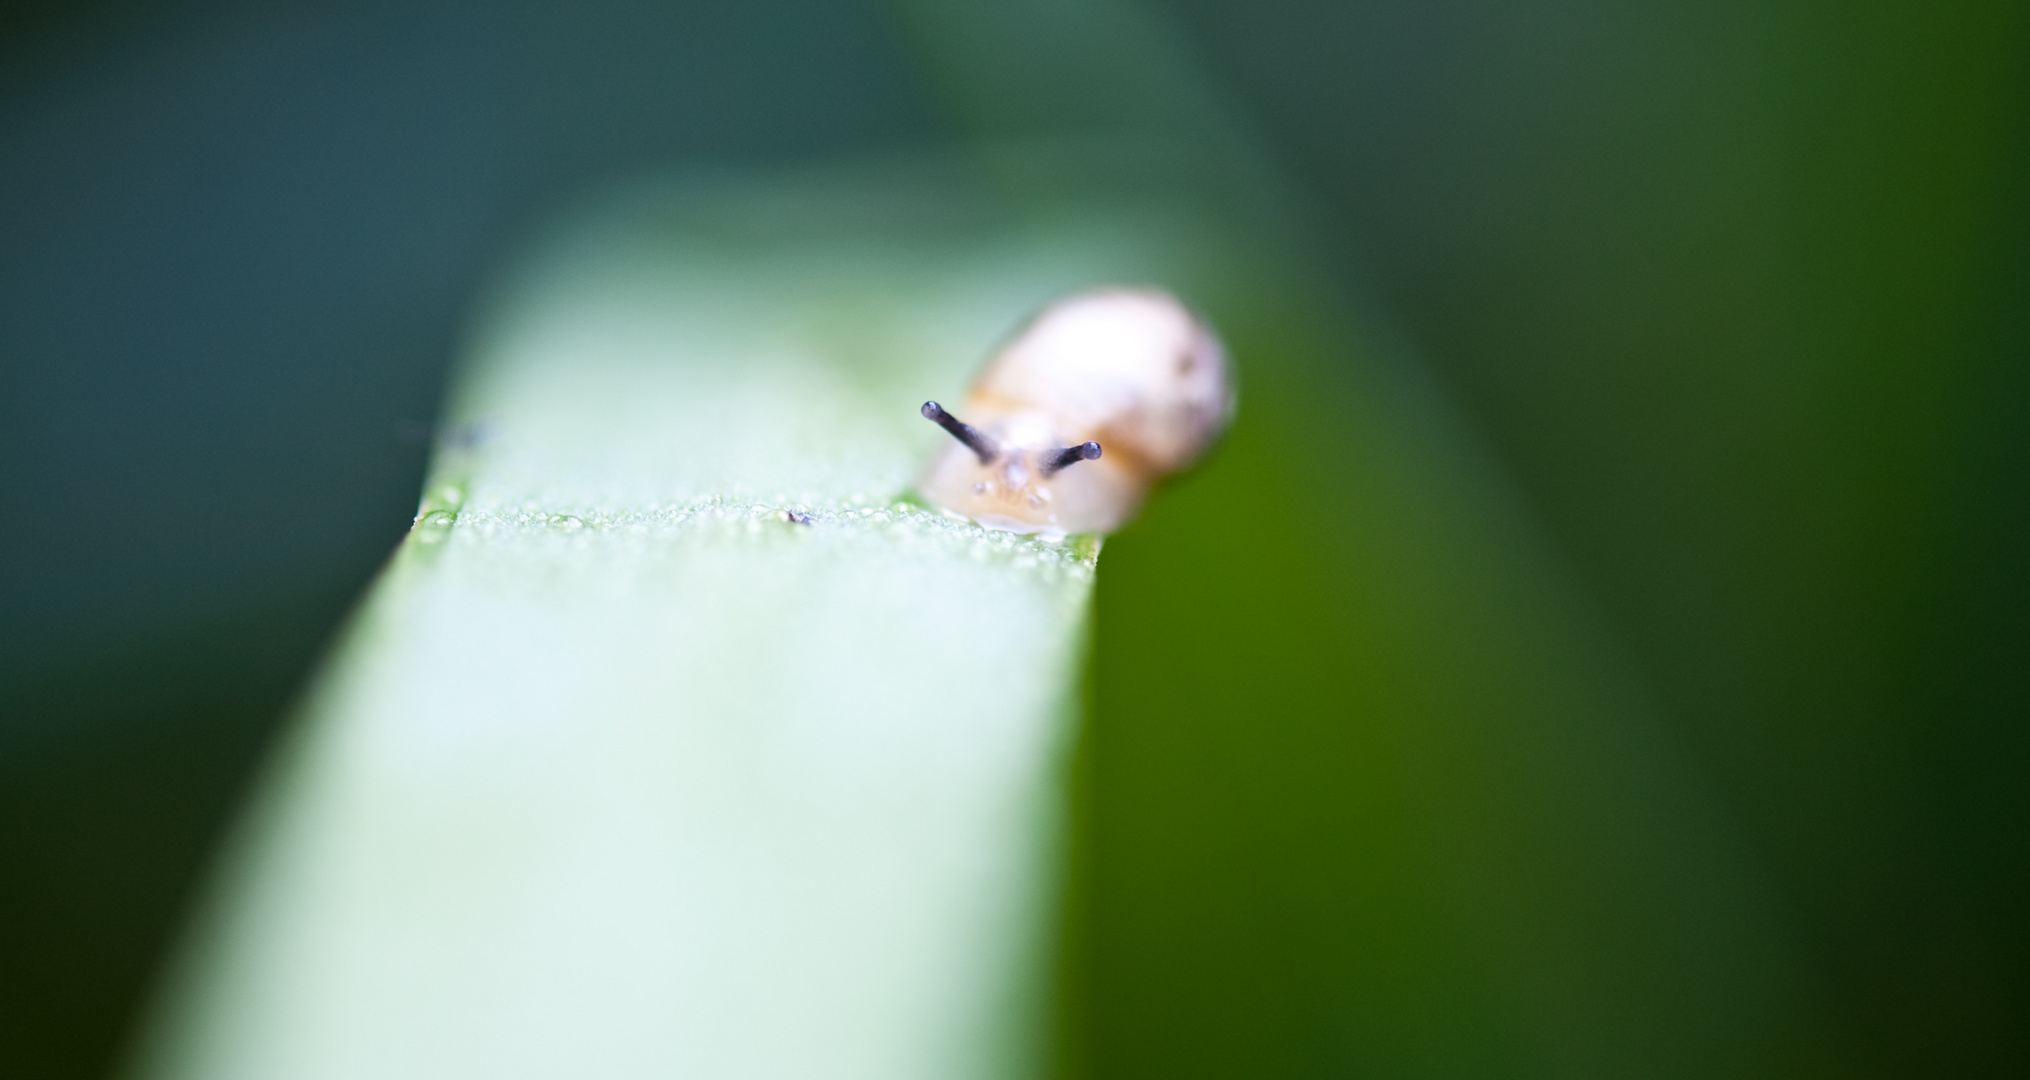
(1133, 369)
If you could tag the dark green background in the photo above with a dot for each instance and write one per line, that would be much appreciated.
(1668, 718)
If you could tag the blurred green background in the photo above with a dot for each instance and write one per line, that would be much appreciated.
(1664, 714)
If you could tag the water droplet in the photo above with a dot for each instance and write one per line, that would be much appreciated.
(434, 527)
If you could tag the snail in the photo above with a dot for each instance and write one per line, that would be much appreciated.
(1093, 400)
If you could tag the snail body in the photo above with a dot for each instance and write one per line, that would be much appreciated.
(1095, 399)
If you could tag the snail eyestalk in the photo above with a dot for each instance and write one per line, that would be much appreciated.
(1053, 460)
(974, 439)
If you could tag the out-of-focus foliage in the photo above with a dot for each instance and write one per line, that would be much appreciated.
(1733, 294)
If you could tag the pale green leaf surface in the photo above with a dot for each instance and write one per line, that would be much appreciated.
(622, 771)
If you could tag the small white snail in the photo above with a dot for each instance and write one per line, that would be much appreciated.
(1099, 396)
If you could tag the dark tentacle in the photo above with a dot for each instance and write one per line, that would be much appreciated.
(975, 439)
(1053, 460)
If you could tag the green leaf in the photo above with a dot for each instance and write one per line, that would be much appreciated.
(678, 739)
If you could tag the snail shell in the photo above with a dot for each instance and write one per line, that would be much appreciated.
(1132, 369)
